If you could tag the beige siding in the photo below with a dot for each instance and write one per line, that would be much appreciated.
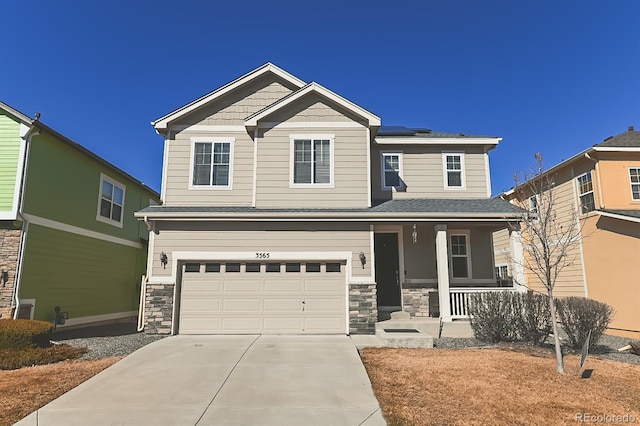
(313, 108)
(423, 173)
(179, 165)
(502, 248)
(256, 237)
(234, 107)
(350, 171)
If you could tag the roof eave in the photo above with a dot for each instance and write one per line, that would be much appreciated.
(417, 140)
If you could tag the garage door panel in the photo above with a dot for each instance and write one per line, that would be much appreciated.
(241, 324)
(323, 324)
(317, 305)
(241, 305)
(239, 285)
(200, 324)
(283, 286)
(282, 305)
(201, 305)
(324, 286)
(206, 287)
(280, 325)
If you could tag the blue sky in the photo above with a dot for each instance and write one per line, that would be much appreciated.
(554, 77)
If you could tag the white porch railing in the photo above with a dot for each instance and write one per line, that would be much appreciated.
(459, 298)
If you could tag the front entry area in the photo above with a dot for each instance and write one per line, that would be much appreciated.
(295, 297)
(387, 273)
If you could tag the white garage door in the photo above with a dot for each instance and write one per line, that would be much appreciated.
(263, 298)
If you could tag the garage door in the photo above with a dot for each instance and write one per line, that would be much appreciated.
(263, 298)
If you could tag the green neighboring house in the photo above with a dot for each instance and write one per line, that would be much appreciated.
(68, 237)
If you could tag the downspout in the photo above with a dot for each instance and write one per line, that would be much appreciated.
(25, 227)
(145, 279)
(597, 168)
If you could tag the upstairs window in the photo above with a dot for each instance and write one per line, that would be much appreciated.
(212, 164)
(392, 170)
(585, 193)
(312, 160)
(111, 202)
(453, 163)
(634, 177)
(533, 204)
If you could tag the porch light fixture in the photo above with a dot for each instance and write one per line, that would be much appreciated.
(164, 260)
(414, 234)
(4, 277)
(363, 259)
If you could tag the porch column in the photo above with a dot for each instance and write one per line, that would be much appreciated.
(517, 258)
(442, 264)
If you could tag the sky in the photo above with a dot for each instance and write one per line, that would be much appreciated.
(553, 77)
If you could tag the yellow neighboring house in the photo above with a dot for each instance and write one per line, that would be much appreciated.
(602, 183)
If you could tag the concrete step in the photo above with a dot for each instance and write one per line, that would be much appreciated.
(404, 339)
(430, 326)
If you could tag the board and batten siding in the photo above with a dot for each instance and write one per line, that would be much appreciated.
(179, 171)
(234, 107)
(423, 172)
(9, 158)
(261, 237)
(349, 185)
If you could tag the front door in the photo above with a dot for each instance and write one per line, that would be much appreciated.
(387, 270)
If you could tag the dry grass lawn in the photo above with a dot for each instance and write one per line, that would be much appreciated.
(27, 389)
(496, 386)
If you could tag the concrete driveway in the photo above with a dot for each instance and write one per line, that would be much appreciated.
(225, 380)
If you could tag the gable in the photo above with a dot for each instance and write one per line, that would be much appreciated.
(313, 108)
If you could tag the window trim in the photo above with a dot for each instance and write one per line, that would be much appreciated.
(467, 234)
(383, 183)
(498, 266)
(581, 212)
(332, 160)
(212, 140)
(632, 183)
(108, 220)
(463, 173)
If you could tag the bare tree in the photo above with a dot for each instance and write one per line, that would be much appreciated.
(547, 236)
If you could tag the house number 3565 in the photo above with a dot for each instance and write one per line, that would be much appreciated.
(262, 255)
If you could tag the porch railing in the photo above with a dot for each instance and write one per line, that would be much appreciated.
(459, 298)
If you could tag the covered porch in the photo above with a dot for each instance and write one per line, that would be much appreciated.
(429, 269)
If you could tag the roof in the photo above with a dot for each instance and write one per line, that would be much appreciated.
(389, 131)
(44, 128)
(162, 122)
(628, 139)
(312, 87)
(409, 209)
(630, 215)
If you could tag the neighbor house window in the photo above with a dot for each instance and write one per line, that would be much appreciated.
(453, 164)
(460, 267)
(312, 160)
(212, 164)
(634, 176)
(585, 193)
(502, 272)
(111, 204)
(391, 170)
(533, 204)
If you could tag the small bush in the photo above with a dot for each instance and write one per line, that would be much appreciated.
(535, 324)
(12, 359)
(22, 334)
(494, 314)
(579, 315)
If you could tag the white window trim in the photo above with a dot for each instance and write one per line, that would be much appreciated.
(577, 186)
(113, 182)
(463, 173)
(292, 139)
(633, 183)
(467, 234)
(212, 140)
(383, 183)
(501, 265)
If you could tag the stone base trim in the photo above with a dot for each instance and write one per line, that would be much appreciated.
(416, 301)
(9, 250)
(363, 308)
(158, 308)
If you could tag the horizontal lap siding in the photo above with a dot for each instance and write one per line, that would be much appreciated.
(9, 153)
(350, 171)
(233, 237)
(179, 165)
(423, 172)
(502, 248)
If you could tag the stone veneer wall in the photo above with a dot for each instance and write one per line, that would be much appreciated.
(158, 308)
(363, 308)
(416, 300)
(9, 248)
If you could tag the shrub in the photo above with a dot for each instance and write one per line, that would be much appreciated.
(12, 359)
(22, 334)
(493, 316)
(579, 315)
(535, 324)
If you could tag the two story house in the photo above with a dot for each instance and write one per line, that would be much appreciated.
(68, 237)
(289, 209)
(601, 184)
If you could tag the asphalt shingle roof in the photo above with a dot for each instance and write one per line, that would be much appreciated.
(628, 139)
(390, 131)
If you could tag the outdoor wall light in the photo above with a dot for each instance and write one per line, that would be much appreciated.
(4, 277)
(363, 259)
(414, 234)
(164, 260)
